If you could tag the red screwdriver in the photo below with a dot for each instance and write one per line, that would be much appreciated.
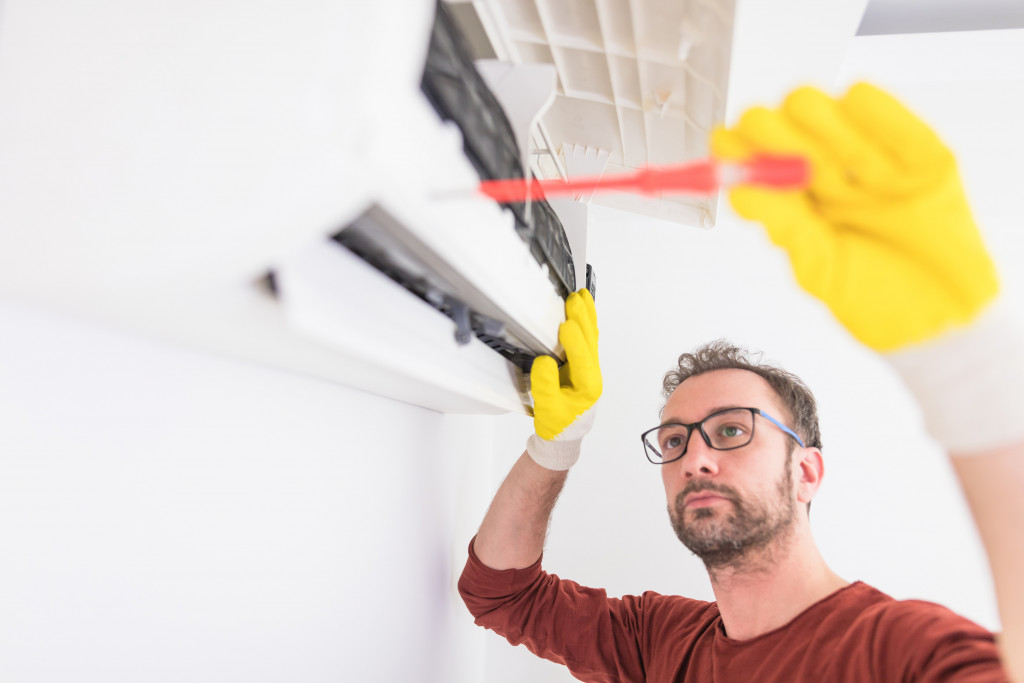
(701, 177)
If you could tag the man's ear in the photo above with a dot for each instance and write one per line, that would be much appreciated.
(809, 473)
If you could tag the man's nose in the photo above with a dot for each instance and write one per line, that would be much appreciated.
(699, 458)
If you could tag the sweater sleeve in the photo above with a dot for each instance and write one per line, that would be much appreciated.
(598, 638)
(925, 642)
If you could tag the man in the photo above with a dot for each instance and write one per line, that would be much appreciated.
(884, 237)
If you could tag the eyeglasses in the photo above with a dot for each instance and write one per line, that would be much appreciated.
(724, 430)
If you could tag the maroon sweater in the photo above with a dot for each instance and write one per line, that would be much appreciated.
(855, 634)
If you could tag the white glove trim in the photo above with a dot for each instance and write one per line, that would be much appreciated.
(970, 382)
(563, 451)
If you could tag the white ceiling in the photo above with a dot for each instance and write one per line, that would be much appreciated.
(928, 16)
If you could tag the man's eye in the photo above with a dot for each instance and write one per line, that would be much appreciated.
(731, 431)
(673, 441)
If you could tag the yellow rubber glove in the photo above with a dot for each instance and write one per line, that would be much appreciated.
(565, 400)
(883, 234)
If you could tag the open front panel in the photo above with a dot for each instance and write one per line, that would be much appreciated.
(643, 80)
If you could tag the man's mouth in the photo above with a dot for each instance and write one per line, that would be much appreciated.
(699, 500)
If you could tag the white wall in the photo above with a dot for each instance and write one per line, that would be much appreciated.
(169, 515)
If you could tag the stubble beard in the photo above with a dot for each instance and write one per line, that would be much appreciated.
(729, 539)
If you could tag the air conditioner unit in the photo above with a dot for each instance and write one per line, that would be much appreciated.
(282, 183)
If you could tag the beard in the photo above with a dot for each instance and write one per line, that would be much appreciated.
(724, 539)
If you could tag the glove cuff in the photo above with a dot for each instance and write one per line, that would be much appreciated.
(563, 451)
(969, 382)
(554, 455)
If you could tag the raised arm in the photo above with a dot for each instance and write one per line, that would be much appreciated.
(512, 533)
(993, 482)
(884, 236)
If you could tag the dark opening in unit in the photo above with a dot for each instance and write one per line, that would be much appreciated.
(458, 93)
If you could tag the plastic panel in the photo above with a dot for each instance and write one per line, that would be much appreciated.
(644, 80)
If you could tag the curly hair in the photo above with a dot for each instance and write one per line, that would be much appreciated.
(721, 355)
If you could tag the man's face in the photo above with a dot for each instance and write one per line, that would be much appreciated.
(724, 504)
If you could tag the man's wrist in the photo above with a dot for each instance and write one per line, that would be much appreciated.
(553, 455)
(563, 451)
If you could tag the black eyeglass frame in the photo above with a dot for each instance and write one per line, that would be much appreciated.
(707, 439)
